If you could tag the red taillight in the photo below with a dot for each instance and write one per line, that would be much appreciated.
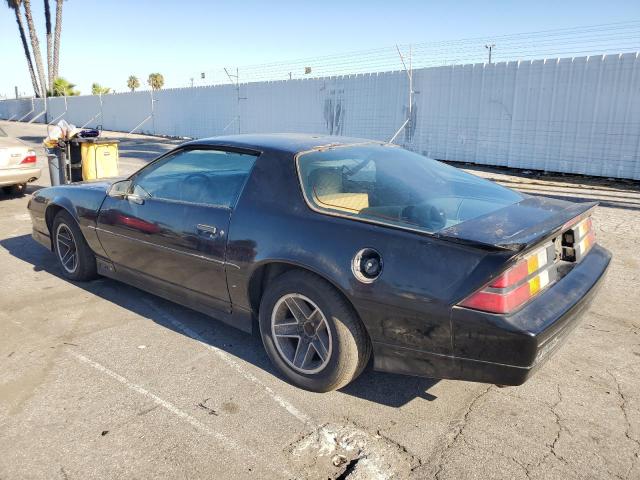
(498, 302)
(30, 158)
(533, 273)
(511, 276)
(517, 285)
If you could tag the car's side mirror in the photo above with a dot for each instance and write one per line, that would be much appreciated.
(120, 189)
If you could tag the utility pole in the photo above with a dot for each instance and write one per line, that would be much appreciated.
(490, 48)
(409, 72)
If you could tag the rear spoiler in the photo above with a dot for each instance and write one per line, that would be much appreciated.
(519, 226)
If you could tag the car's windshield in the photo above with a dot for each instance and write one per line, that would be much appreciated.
(388, 184)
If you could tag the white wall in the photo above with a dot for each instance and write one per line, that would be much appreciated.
(574, 115)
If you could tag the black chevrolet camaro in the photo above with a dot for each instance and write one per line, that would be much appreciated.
(340, 250)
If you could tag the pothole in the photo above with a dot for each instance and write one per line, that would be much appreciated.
(348, 452)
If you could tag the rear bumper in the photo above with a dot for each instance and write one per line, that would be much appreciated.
(17, 175)
(506, 350)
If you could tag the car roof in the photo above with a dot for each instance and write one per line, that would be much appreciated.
(281, 142)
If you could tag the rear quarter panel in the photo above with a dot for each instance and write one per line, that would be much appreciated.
(408, 305)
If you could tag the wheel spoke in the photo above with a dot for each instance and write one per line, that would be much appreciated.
(320, 348)
(315, 317)
(286, 330)
(67, 256)
(298, 309)
(64, 241)
(72, 260)
(301, 356)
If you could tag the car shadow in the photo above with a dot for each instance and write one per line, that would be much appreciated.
(31, 188)
(31, 138)
(383, 388)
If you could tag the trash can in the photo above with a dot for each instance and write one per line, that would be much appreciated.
(99, 157)
(56, 158)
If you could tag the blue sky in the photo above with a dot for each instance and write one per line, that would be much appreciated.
(106, 41)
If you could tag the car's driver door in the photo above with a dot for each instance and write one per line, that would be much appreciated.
(170, 230)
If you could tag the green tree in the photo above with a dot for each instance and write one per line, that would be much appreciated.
(15, 6)
(155, 81)
(97, 89)
(133, 82)
(63, 88)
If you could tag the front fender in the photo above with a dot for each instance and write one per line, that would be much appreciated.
(83, 204)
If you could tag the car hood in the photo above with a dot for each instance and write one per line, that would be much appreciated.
(520, 225)
(101, 184)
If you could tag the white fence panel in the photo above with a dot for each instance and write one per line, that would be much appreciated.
(575, 115)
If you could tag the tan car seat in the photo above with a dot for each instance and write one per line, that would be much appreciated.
(328, 190)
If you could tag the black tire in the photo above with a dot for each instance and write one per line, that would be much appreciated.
(16, 190)
(350, 345)
(84, 269)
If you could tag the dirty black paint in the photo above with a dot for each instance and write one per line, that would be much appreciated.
(409, 312)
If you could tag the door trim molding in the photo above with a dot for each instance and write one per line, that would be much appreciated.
(162, 247)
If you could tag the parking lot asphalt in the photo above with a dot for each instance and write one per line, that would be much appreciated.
(101, 380)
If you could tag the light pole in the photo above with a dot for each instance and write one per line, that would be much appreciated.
(490, 48)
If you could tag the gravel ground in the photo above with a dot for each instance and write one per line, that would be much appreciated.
(101, 380)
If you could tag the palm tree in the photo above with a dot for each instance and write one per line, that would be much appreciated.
(15, 6)
(56, 38)
(63, 88)
(47, 19)
(97, 89)
(156, 81)
(133, 83)
(35, 45)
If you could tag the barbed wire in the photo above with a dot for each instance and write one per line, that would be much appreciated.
(603, 39)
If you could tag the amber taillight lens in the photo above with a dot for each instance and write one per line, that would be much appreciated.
(533, 273)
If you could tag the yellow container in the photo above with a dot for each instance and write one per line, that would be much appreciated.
(99, 160)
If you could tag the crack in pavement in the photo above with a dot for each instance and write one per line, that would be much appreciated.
(526, 468)
(462, 423)
(623, 408)
(552, 447)
(501, 454)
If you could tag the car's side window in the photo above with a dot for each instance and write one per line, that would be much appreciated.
(211, 177)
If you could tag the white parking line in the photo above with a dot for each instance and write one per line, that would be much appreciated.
(226, 441)
(302, 417)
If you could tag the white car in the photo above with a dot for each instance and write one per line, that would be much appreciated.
(17, 164)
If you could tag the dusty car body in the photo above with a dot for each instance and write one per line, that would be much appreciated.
(426, 289)
(17, 164)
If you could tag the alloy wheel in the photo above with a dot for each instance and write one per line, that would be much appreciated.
(301, 333)
(66, 248)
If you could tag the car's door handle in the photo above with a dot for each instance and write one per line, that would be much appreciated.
(136, 199)
(209, 229)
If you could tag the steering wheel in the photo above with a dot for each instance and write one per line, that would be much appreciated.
(194, 187)
(425, 215)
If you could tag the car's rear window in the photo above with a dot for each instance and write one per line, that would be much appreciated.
(387, 184)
